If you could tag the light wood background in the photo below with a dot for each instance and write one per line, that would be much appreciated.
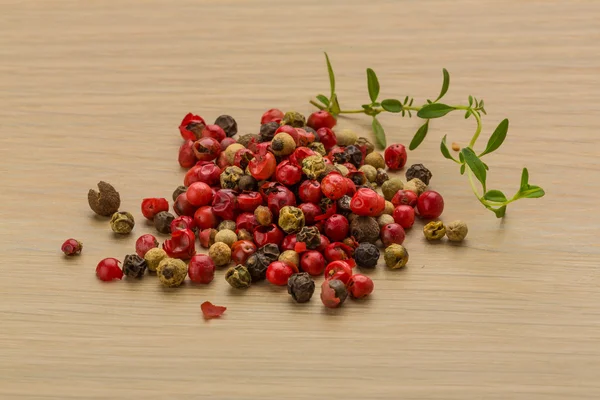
(95, 90)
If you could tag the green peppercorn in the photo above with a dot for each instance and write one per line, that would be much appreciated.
(243, 234)
(290, 256)
(171, 272)
(283, 144)
(291, 219)
(220, 253)
(419, 171)
(247, 139)
(227, 224)
(267, 131)
(179, 190)
(153, 258)
(342, 169)
(226, 236)
(294, 119)
(381, 176)
(134, 266)
(238, 277)
(435, 230)
(395, 256)
(309, 235)
(122, 222)
(416, 185)
(263, 215)
(366, 255)
(230, 177)
(231, 150)
(364, 229)
(389, 208)
(385, 219)
(345, 137)
(318, 148)
(228, 124)
(106, 201)
(456, 231)
(361, 141)
(375, 159)
(391, 187)
(313, 166)
(301, 287)
(162, 221)
(369, 171)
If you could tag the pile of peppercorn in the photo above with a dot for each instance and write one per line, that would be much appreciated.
(292, 202)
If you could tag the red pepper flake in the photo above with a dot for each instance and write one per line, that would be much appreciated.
(330, 211)
(300, 247)
(211, 311)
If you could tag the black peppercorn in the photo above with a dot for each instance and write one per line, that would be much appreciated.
(228, 124)
(258, 262)
(358, 178)
(267, 131)
(366, 255)
(309, 235)
(162, 221)
(355, 156)
(178, 191)
(247, 183)
(420, 172)
(134, 266)
(381, 176)
(301, 287)
(343, 205)
(341, 157)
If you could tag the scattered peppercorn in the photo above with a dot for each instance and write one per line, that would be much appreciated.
(134, 266)
(395, 256)
(267, 131)
(360, 286)
(369, 171)
(247, 140)
(375, 159)
(207, 237)
(434, 230)
(283, 144)
(106, 201)
(228, 124)
(258, 262)
(291, 219)
(263, 215)
(455, 146)
(365, 229)
(391, 187)
(226, 236)
(230, 177)
(456, 231)
(333, 293)
(220, 254)
(362, 142)
(343, 205)
(122, 222)
(416, 185)
(153, 258)
(71, 247)
(171, 272)
(381, 177)
(238, 277)
(385, 219)
(247, 183)
(162, 221)
(108, 270)
(355, 156)
(346, 137)
(318, 148)
(301, 287)
(419, 171)
(293, 119)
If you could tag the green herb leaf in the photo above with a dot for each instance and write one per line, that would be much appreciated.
(462, 169)
(334, 106)
(497, 138)
(467, 114)
(499, 211)
(444, 149)
(323, 100)
(366, 106)
(524, 179)
(419, 136)
(532, 192)
(445, 84)
(495, 195)
(331, 76)
(379, 133)
(475, 165)
(435, 110)
(392, 105)
(470, 100)
(373, 84)
(376, 104)
(461, 158)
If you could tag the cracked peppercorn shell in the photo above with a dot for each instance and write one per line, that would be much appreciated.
(134, 266)
(238, 277)
(301, 287)
(226, 224)
(228, 124)
(122, 222)
(369, 171)
(179, 190)
(456, 231)
(293, 119)
(267, 131)
(366, 255)
(245, 140)
(343, 205)
(434, 230)
(395, 256)
(106, 201)
(171, 272)
(247, 183)
(291, 219)
(391, 187)
(364, 229)
(419, 171)
(340, 290)
(162, 221)
(416, 185)
(220, 253)
(243, 234)
(283, 144)
(375, 159)
(231, 150)
(153, 258)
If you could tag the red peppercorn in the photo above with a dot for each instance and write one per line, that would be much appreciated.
(260, 147)
(360, 286)
(152, 206)
(395, 156)
(214, 131)
(327, 161)
(249, 201)
(183, 222)
(207, 149)
(108, 270)
(182, 206)
(338, 251)
(338, 270)
(181, 245)
(310, 191)
(430, 204)
(225, 204)
(290, 130)
(280, 197)
(336, 227)
(287, 173)
(145, 243)
(392, 234)
(71, 247)
(267, 188)
(187, 157)
(310, 211)
(321, 119)
(272, 115)
(262, 166)
(304, 138)
(223, 161)
(313, 262)
(199, 194)
(279, 272)
(327, 137)
(246, 221)
(187, 123)
(300, 154)
(205, 218)
(351, 187)
(333, 293)
(242, 158)
(205, 236)
(203, 171)
(334, 186)
(405, 197)
(241, 251)
(225, 143)
(324, 243)
(201, 269)
(366, 202)
(267, 234)
(404, 215)
(289, 242)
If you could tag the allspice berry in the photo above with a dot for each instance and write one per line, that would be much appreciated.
(346, 137)
(369, 171)
(153, 258)
(220, 253)
(291, 219)
(171, 272)
(395, 256)
(434, 230)
(106, 201)
(283, 144)
(364, 229)
(375, 159)
(238, 277)
(122, 222)
(416, 185)
(418, 171)
(456, 231)
(301, 287)
(391, 187)
(162, 221)
(290, 256)
(263, 215)
(134, 266)
(313, 166)
(230, 177)
(226, 236)
(294, 119)
(228, 124)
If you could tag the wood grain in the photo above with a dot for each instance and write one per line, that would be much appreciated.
(95, 90)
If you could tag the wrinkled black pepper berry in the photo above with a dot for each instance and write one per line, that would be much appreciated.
(381, 176)
(301, 287)
(343, 205)
(258, 262)
(267, 131)
(366, 255)
(178, 191)
(358, 178)
(162, 221)
(355, 156)
(228, 124)
(247, 183)
(309, 235)
(134, 266)
(341, 157)
(418, 171)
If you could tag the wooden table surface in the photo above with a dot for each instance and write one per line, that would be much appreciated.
(95, 91)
